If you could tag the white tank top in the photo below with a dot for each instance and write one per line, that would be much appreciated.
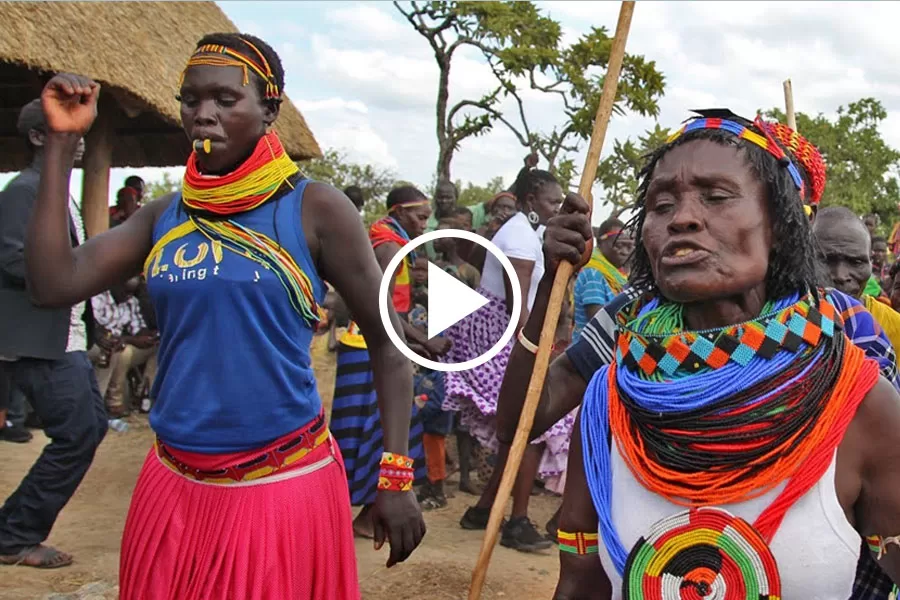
(816, 549)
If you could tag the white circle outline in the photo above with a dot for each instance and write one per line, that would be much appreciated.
(386, 283)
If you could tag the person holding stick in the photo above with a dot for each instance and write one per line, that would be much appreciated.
(693, 217)
(473, 393)
(243, 493)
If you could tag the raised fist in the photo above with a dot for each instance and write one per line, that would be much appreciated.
(70, 103)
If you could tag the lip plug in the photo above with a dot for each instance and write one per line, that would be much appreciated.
(204, 145)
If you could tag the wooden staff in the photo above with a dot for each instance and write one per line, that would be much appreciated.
(789, 105)
(563, 274)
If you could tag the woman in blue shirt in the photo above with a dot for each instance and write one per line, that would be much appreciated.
(243, 494)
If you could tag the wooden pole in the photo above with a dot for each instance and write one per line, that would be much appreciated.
(557, 295)
(95, 166)
(789, 105)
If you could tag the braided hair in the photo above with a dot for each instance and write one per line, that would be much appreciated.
(238, 43)
(529, 182)
(793, 264)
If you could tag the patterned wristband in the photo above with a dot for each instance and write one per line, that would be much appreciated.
(396, 461)
(578, 543)
(396, 474)
(394, 485)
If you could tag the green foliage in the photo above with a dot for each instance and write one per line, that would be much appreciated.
(861, 166)
(159, 188)
(475, 194)
(618, 172)
(578, 80)
(523, 48)
(335, 169)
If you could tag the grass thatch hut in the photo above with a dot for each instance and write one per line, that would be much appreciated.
(136, 51)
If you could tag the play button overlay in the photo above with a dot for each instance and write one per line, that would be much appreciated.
(449, 300)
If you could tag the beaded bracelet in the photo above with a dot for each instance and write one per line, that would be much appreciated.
(578, 543)
(396, 474)
(878, 544)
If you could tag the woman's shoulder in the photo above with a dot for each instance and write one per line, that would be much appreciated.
(517, 234)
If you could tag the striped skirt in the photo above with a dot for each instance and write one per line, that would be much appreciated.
(281, 530)
(356, 425)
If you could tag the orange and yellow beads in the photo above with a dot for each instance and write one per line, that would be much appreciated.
(396, 473)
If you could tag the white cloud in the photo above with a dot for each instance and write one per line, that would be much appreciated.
(308, 106)
(366, 81)
(368, 23)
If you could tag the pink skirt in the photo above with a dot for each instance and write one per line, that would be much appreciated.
(285, 536)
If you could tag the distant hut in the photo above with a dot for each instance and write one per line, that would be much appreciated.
(136, 51)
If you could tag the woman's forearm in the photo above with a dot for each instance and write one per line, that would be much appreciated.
(49, 260)
(393, 376)
(515, 386)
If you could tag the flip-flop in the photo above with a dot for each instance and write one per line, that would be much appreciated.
(48, 558)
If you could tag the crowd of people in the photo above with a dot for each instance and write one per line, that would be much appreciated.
(719, 420)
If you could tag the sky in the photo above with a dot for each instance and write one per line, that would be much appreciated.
(366, 82)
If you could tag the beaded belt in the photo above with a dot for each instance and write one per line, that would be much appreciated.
(272, 461)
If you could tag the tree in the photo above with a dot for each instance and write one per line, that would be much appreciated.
(473, 194)
(334, 168)
(861, 167)
(522, 46)
(161, 187)
(618, 172)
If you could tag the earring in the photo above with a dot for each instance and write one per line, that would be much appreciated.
(533, 218)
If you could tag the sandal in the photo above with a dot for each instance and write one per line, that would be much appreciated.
(432, 497)
(39, 557)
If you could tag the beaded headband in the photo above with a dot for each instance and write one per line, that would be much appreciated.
(806, 154)
(610, 233)
(503, 195)
(765, 140)
(410, 204)
(217, 55)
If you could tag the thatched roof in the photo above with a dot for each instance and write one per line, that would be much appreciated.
(136, 51)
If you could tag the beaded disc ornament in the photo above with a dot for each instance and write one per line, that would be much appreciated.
(701, 554)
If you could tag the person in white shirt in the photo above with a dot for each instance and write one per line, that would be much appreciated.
(123, 342)
(474, 392)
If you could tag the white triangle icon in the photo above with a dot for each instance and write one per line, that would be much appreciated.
(449, 300)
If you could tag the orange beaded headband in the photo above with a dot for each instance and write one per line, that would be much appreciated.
(217, 55)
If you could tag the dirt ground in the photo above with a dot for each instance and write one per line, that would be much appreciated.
(91, 525)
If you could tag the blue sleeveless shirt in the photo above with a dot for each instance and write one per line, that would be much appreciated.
(234, 363)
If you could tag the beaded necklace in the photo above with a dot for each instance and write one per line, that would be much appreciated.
(209, 200)
(743, 408)
(614, 277)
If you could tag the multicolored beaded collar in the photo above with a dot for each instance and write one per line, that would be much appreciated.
(692, 351)
(768, 404)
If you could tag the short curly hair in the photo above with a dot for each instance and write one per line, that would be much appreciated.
(793, 264)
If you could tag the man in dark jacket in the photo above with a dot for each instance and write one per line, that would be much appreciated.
(43, 353)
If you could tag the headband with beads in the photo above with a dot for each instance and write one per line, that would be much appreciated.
(217, 55)
(765, 137)
(806, 154)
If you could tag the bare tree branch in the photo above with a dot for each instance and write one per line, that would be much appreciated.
(551, 89)
(482, 105)
(420, 26)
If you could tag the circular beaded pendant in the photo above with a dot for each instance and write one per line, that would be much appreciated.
(701, 554)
